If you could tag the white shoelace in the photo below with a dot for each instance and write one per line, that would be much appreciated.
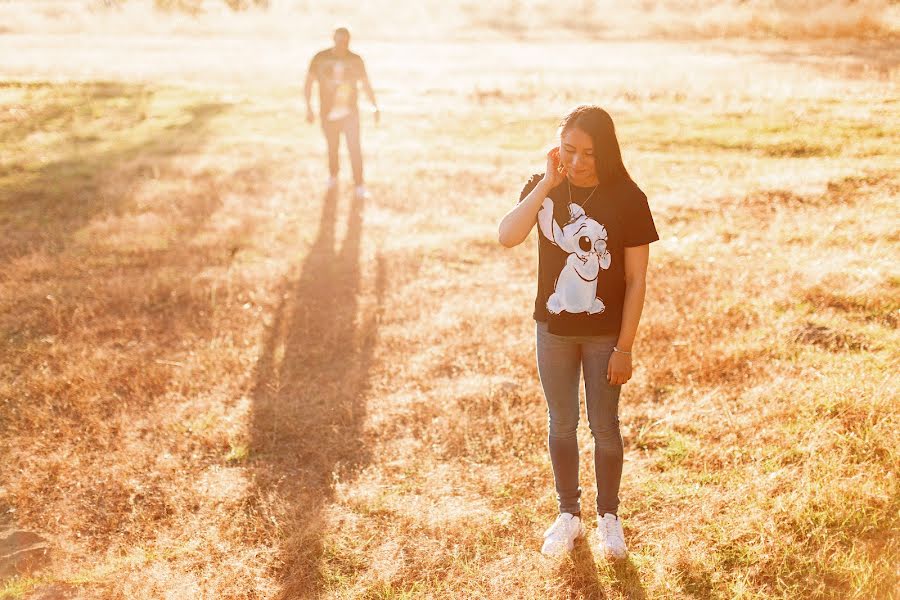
(614, 532)
(612, 529)
(560, 526)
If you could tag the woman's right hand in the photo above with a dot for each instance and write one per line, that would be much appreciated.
(555, 173)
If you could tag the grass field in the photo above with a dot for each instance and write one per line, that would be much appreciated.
(217, 380)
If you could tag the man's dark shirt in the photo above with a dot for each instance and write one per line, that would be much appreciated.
(338, 78)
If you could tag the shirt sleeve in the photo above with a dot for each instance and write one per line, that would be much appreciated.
(639, 228)
(530, 185)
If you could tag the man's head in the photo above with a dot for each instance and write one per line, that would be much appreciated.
(342, 39)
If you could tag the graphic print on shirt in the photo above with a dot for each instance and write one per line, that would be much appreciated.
(575, 290)
(340, 103)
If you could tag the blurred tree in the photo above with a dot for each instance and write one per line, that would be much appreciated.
(238, 5)
(189, 6)
(193, 6)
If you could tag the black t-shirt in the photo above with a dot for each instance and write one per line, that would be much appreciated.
(581, 266)
(338, 77)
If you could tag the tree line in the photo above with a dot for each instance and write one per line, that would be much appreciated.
(192, 6)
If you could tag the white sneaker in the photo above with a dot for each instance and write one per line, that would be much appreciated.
(610, 537)
(362, 192)
(560, 537)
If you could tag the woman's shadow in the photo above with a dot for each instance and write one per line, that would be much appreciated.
(581, 574)
(309, 398)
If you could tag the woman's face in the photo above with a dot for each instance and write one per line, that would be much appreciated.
(576, 151)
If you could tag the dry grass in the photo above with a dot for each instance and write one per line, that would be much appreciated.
(523, 19)
(216, 380)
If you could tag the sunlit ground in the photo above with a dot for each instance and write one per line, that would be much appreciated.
(216, 380)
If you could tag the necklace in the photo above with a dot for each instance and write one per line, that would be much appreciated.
(591, 195)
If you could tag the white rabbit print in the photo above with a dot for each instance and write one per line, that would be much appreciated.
(575, 290)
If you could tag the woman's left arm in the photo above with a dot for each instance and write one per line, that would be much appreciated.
(636, 258)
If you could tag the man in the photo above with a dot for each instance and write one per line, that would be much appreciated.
(338, 72)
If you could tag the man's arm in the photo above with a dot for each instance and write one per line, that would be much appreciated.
(367, 88)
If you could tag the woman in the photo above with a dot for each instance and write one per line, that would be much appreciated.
(595, 228)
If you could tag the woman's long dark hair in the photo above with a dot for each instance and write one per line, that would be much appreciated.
(597, 123)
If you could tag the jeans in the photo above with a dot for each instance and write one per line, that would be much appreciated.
(349, 126)
(560, 361)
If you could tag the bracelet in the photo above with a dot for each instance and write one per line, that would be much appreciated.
(616, 349)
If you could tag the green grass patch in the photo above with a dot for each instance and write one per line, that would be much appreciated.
(774, 132)
(18, 587)
(237, 452)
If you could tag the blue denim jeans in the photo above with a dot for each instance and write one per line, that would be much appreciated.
(561, 360)
(349, 126)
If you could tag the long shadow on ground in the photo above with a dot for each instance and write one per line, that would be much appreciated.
(309, 397)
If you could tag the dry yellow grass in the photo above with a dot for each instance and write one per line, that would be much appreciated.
(460, 19)
(218, 381)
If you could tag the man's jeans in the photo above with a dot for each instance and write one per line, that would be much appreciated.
(349, 126)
